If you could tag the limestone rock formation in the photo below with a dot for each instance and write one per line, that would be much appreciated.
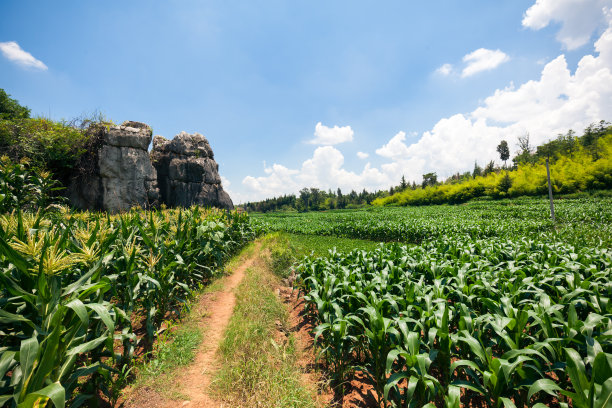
(187, 172)
(122, 175)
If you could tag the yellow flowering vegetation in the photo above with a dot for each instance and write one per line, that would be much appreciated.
(580, 171)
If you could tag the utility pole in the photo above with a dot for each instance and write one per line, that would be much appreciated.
(552, 207)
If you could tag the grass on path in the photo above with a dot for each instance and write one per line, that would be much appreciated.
(259, 366)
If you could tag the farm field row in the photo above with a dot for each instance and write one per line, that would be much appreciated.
(507, 321)
(81, 293)
(585, 219)
(490, 304)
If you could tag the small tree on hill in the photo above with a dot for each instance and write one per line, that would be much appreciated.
(505, 183)
(504, 151)
(477, 170)
(489, 168)
(403, 183)
(429, 179)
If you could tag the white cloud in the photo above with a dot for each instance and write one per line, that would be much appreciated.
(445, 69)
(13, 52)
(554, 103)
(323, 170)
(362, 155)
(331, 136)
(482, 60)
(395, 149)
(578, 18)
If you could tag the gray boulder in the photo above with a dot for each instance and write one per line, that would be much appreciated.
(187, 172)
(122, 176)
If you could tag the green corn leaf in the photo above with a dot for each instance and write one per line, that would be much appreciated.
(54, 392)
(577, 371)
(474, 345)
(14, 257)
(544, 384)
(604, 398)
(453, 397)
(103, 313)
(393, 380)
(507, 402)
(79, 309)
(470, 386)
(28, 354)
(85, 347)
(49, 358)
(10, 318)
(7, 360)
(602, 367)
(391, 357)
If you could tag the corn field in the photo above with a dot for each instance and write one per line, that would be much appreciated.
(477, 219)
(459, 321)
(74, 285)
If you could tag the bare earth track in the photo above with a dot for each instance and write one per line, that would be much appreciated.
(192, 382)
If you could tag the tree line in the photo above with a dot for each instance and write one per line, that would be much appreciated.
(591, 146)
(314, 199)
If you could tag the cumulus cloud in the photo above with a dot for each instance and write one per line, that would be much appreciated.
(445, 69)
(482, 60)
(13, 52)
(555, 102)
(323, 170)
(362, 155)
(331, 136)
(578, 18)
(395, 148)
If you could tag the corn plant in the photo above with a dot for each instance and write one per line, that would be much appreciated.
(453, 319)
(72, 284)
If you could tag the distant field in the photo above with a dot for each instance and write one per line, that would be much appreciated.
(578, 220)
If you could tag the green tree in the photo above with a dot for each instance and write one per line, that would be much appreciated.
(429, 179)
(505, 183)
(403, 183)
(477, 170)
(525, 150)
(489, 168)
(10, 108)
(504, 151)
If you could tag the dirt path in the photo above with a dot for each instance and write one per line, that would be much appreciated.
(195, 379)
(192, 382)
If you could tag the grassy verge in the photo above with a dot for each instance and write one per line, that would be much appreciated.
(258, 361)
(301, 245)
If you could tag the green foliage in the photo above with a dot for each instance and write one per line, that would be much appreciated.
(429, 179)
(580, 171)
(72, 284)
(583, 218)
(313, 199)
(54, 146)
(27, 188)
(281, 254)
(10, 108)
(511, 322)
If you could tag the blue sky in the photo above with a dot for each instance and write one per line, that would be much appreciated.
(296, 94)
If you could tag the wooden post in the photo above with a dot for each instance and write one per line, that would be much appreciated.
(552, 207)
